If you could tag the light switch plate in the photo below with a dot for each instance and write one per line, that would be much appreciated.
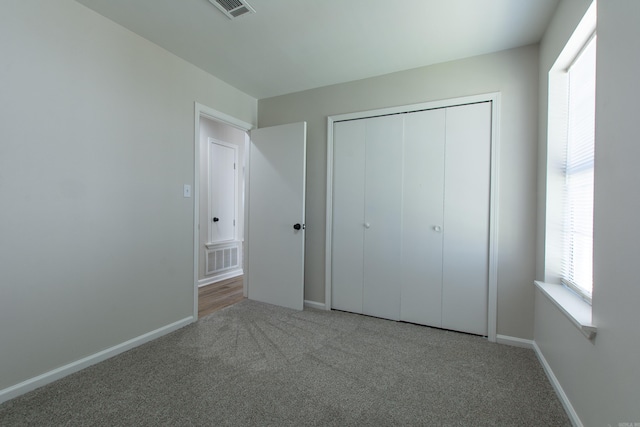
(187, 190)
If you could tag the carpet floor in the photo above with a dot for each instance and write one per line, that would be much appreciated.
(257, 364)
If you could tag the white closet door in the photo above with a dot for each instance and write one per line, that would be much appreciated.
(348, 219)
(382, 221)
(466, 213)
(223, 189)
(422, 217)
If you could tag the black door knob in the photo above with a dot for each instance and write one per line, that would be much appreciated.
(297, 227)
(216, 219)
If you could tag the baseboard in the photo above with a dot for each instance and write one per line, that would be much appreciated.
(514, 341)
(314, 304)
(78, 365)
(219, 278)
(568, 407)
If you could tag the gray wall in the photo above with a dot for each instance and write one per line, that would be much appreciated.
(515, 74)
(96, 142)
(601, 378)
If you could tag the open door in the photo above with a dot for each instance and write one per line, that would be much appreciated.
(276, 198)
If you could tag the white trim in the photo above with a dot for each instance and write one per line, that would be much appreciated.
(566, 403)
(222, 117)
(219, 278)
(61, 372)
(494, 98)
(492, 297)
(245, 201)
(328, 246)
(577, 310)
(207, 112)
(315, 304)
(224, 243)
(514, 341)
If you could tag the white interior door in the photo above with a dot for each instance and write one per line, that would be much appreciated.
(223, 187)
(276, 199)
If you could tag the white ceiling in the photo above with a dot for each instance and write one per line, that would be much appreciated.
(294, 45)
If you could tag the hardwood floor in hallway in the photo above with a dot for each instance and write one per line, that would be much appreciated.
(219, 295)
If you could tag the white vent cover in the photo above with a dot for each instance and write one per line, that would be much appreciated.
(233, 8)
(222, 259)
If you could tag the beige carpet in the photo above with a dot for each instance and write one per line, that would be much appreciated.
(256, 364)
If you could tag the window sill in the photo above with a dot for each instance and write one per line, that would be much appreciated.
(572, 306)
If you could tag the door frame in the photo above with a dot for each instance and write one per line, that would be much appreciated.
(201, 110)
(494, 98)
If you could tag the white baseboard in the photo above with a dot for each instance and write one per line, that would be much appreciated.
(51, 376)
(314, 304)
(219, 278)
(514, 341)
(568, 407)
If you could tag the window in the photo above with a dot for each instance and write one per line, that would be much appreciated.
(568, 244)
(576, 267)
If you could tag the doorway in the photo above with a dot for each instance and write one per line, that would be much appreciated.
(219, 210)
(273, 183)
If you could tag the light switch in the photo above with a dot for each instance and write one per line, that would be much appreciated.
(187, 190)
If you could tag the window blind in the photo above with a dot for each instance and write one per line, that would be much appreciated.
(577, 235)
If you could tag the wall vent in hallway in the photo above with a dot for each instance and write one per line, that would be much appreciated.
(221, 259)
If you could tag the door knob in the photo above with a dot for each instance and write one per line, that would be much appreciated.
(367, 225)
(297, 226)
(437, 228)
(216, 219)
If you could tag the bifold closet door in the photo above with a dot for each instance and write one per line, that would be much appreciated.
(422, 217)
(367, 196)
(410, 238)
(383, 216)
(347, 251)
(465, 268)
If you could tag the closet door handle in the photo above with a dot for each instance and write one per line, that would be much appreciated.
(437, 228)
(367, 225)
(216, 219)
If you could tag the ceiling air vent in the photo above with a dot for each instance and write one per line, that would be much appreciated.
(233, 8)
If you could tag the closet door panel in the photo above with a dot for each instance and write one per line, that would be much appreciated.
(348, 215)
(422, 217)
(466, 214)
(383, 206)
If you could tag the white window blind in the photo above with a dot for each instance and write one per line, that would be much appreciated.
(577, 236)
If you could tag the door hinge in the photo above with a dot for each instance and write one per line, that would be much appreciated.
(234, 222)
(234, 166)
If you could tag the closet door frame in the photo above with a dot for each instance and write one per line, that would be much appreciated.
(494, 98)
